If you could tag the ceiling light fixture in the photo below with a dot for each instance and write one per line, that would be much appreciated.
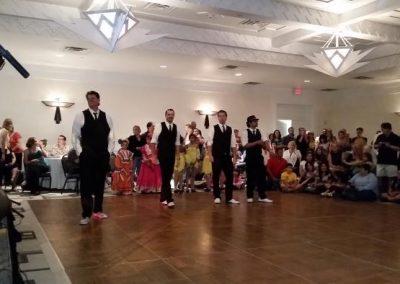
(307, 81)
(112, 18)
(163, 66)
(337, 57)
(238, 74)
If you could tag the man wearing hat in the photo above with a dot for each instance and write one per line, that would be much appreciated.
(254, 143)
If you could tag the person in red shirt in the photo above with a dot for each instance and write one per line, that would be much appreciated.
(275, 166)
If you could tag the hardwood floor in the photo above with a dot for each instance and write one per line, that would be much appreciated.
(300, 238)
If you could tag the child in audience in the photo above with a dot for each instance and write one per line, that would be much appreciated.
(289, 180)
(325, 179)
(179, 169)
(122, 175)
(192, 158)
(308, 178)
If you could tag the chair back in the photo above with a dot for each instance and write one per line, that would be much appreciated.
(67, 165)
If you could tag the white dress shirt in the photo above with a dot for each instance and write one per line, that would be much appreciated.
(77, 125)
(245, 136)
(292, 158)
(157, 131)
(211, 135)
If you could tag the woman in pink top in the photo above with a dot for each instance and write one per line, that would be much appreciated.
(16, 146)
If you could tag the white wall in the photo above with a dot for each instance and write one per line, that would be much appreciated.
(135, 100)
(367, 108)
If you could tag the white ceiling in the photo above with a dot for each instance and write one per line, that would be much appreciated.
(195, 38)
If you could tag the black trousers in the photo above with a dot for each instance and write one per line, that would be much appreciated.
(223, 164)
(167, 169)
(93, 171)
(256, 177)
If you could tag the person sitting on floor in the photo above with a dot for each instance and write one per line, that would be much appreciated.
(308, 178)
(393, 194)
(363, 186)
(275, 167)
(289, 180)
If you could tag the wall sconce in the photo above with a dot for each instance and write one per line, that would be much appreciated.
(397, 113)
(206, 113)
(57, 104)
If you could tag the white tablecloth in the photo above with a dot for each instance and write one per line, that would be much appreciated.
(57, 173)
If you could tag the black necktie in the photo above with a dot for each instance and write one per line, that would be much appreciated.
(170, 127)
(254, 132)
(223, 128)
(95, 115)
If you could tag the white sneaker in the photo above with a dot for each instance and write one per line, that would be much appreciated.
(171, 204)
(233, 201)
(84, 221)
(164, 202)
(250, 200)
(217, 200)
(265, 200)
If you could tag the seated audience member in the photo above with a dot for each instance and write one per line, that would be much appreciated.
(42, 145)
(308, 178)
(324, 179)
(393, 194)
(289, 180)
(293, 156)
(275, 167)
(61, 148)
(122, 177)
(320, 155)
(336, 163)
(35, 166)
(359, 140)
(363, 186)
(9, 169)
(309, 158)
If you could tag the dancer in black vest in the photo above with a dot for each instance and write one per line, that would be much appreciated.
(254, 143)
(93, 141)
(167, 138)
(221, 145)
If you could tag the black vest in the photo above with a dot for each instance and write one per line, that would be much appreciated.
(221, 146)
(166, 141)
(256, 151)
(94, 133)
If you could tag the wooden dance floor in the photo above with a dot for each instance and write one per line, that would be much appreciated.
(299, 239)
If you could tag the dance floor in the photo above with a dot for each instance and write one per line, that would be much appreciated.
(299, 239)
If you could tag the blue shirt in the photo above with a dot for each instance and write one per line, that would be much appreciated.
(368, 182)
